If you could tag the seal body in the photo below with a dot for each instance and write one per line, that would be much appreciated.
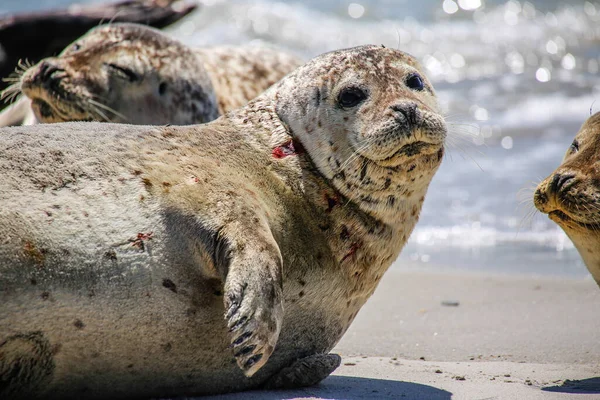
(142, 261)
(571, 194)
(134, 74)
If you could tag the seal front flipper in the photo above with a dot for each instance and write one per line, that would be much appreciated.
(253, 294)
(306, 371)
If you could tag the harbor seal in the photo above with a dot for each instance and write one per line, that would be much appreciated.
(571, 194)
(187, 260)
(136, 74)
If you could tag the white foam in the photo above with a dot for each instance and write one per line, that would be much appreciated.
(471, 236)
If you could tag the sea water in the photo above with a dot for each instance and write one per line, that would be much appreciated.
(516, 81)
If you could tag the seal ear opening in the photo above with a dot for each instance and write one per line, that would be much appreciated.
(162, 88)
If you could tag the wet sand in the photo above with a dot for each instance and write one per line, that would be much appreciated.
(435, 335)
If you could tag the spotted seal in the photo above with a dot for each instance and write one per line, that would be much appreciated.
(571, 194)
(136, 74)
(186, 260)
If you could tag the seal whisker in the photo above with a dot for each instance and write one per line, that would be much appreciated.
(11, 93)
(13, 90)
(94, 110)
(524, 194)
(357, 153)
(527, 219)
(464, 154)
(107, 108)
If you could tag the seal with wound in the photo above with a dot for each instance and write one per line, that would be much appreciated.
(135, 74)
(142, 261)
(571, 194)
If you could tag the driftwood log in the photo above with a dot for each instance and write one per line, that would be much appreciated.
(34, 36)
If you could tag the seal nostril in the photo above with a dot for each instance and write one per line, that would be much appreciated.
(408, 111)
(47, 71)
(561, 182)
(539, 197)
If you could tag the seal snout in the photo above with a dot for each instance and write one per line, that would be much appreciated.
(568, 198)
(47, 73)
(554, 191)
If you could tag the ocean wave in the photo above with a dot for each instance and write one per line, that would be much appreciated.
(473, 235)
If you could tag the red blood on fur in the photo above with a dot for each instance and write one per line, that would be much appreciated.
(353, 248)
(289, 148)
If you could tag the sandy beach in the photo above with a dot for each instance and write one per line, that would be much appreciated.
(438, 335)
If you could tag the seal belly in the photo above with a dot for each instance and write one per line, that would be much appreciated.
(105, 300)
(114, 318)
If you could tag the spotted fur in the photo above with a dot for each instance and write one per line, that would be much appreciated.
(172, 261)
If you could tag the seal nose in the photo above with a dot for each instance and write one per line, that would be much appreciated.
(48, 72)
(407, 113)
(561, 182)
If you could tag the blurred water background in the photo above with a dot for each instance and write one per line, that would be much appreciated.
(516, 79)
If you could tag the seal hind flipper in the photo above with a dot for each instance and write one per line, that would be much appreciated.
(306, 371)
(26, 365)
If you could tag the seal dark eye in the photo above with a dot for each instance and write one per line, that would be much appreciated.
(123, 72)
(351, 97)
(415, 82)
(574, 146)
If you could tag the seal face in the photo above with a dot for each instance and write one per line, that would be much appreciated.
(135, 74)
(571, 194)
(185, 260)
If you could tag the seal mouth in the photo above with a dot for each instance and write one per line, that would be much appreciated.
(560, 217)
(410, 150)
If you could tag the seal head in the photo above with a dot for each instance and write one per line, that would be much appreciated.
(370, 122)
(122, 73)
(571, 194)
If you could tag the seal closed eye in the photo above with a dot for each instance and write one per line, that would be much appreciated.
(188, 260)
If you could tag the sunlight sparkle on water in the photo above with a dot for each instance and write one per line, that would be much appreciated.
(589, 8)
(457, 60)
(449, 6)
(542, 74)
(515, 62)
(480, 114)
(551, 47)
(568, 62)
(507, 142)
(469, 4)
(356, 10)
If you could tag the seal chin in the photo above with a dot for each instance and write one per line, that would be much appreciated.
(51, 111)
(42, 109)
(50, 107)
(569, 222)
